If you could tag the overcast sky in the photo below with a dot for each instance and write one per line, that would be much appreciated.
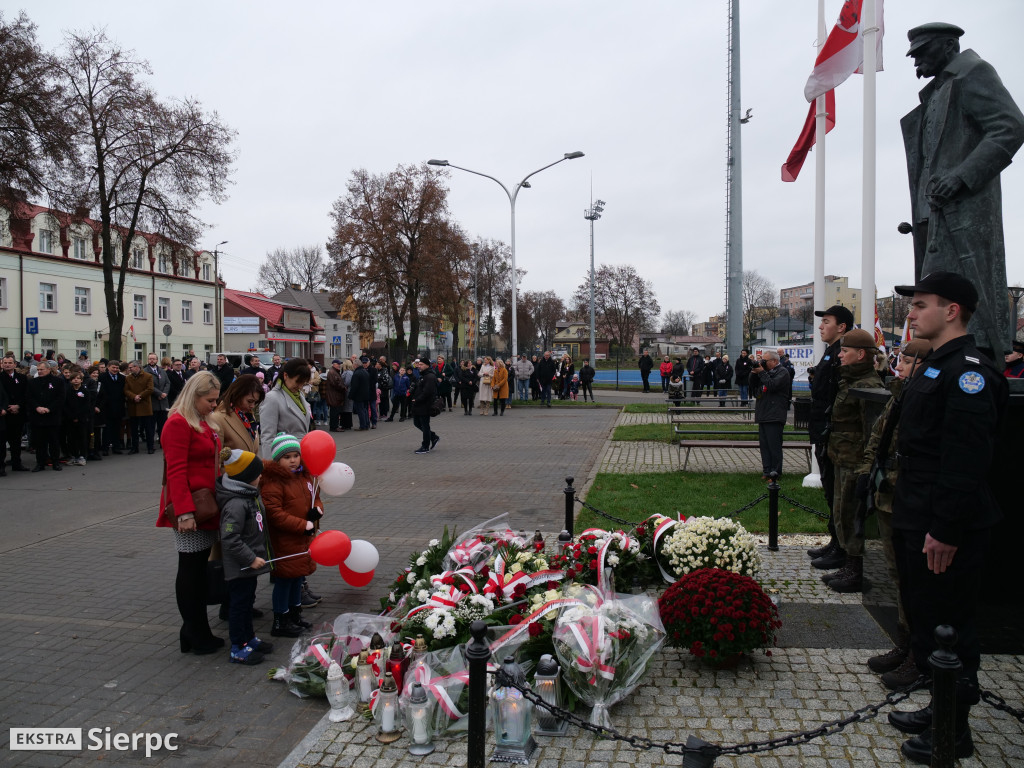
(318, 89)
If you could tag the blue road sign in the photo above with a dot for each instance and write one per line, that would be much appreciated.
(337, 340)
(31, 325)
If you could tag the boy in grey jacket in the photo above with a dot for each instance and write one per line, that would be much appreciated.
(243, 537)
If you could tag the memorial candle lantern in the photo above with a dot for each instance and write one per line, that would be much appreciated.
(338, 694)
(418, 718)
(417, 659)
(547, 684)
(386, 711)
(512, 713)
(366, 682)
(397, 663)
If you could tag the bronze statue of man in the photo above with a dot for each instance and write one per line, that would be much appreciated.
(962, 135)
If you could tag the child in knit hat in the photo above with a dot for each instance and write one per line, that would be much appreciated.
(243, 538)
(294, 509)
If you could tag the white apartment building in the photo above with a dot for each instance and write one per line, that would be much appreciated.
(51, 276)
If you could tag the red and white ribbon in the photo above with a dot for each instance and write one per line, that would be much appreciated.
(465, 575)
(444, 598)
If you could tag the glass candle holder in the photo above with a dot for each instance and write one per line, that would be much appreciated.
(419, 718)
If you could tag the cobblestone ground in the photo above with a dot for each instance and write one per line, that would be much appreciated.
(794, 689)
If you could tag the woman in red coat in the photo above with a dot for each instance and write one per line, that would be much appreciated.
(293, 508)
(191, 447)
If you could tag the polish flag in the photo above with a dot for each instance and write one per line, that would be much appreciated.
(795, 161)
(879, 336)
(843, 52)
(131, 332)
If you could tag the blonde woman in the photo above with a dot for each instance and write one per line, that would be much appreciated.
(499, 386)
(486, 393)
(191, 447)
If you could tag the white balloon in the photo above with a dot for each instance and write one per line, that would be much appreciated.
(337, 479)
(363, 558)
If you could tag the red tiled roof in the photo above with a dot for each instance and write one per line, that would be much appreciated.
(270, 310)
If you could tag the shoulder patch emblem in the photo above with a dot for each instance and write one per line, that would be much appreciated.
(972, 382)
(932, 373)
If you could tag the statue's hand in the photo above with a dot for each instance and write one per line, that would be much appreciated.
(945, 187)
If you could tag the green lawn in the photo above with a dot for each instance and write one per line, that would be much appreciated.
(645, 408)
(663, 433)
(635, 497)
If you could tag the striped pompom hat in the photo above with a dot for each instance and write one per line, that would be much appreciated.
(283, 444)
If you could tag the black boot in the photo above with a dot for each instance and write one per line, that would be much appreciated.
(815, 552)
(830, 561)
(283, 626)
(915, 722)
(887, 662)
(295, 616)
(842, 573)
(919, 748)
(853, 581)
(905, 674)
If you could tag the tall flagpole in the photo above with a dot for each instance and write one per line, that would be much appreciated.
(819, 192)
(869, 35)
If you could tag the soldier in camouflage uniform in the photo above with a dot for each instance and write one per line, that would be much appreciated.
(846, 449)
(877, 474)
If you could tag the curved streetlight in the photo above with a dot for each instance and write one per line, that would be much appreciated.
(512, 195)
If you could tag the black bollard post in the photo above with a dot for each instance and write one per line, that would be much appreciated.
(946, 667)
(773, 512)
(478, 653)
(570, 500)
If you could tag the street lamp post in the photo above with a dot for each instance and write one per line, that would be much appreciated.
(592, 215)
(512, 195)
(1016, 292)
(219, 329)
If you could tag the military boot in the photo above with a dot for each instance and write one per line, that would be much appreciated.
(852, 580)
(844, 567)
(815, 552)
(905, 674)
(835, 559)
(919, 748)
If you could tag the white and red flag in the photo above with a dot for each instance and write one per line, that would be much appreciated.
(795, 161)
(843, 52)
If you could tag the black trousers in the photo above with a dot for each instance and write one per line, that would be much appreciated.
(46, 438)
(645, 375)
(951, 597)
(113, 433)
(15, 424)
(241, 597)
(585, 387)
(334, 417)
(190, 594)
(769, 437)
(423, 423)
(140, 425)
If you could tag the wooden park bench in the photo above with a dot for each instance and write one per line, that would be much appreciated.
(689, 445)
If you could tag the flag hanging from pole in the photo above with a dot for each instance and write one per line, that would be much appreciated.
(879, 335)
(843, 52)
(795, 161)
(131, 331)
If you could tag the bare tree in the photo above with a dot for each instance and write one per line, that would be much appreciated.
(624, 303)
(760, 301)
(678, 322)
(389, 240)
(548, 309)
(304, 266)
(35, 133)
(492, 260)
(147, 162)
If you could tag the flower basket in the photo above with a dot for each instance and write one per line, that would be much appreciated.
(708, 542)
(716, 614)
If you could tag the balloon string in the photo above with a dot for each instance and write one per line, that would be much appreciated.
(274, 560)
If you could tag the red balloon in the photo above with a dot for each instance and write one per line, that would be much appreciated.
(318, 450)
(353, 578)
(330, 548)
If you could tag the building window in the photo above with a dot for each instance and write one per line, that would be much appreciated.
(81, 301)
(3, 293)
(209, 350)
(138, 258)
(207, 272)
(47, 297)
(186, 311)
(163, 308)
(208, 314)
(140, 352)
(186, 350)
(83, 346)
(139, 307)
(3, 345)
(48, 345)
(78, 248)
(165, 350)
(162, 264)
(45, 241)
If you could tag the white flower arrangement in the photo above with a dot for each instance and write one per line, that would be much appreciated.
(707, 542)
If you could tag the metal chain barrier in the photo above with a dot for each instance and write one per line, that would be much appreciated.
(744, 508)
(999, 703)
(714, 750)
(622, 521)
(804, 507)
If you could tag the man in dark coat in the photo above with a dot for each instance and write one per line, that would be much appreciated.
(253, 365)
(225, 372)
(943, 506)
(958, 140)
(695, 369)
(46, 397)
(111, 405)
(545, 369)
(177, 378)
(423, 396)
(646, 364)
(773, 389)
(743, 366)
(15, 386)
(359, 392)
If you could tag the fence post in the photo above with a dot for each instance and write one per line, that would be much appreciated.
(478, 653)
(946, 666)
(570, 499)
(773, 512)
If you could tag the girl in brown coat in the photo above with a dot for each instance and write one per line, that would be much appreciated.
(293, 508)
(499, 385)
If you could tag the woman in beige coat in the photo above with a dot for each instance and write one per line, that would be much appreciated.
(234, 417)
(486, 393)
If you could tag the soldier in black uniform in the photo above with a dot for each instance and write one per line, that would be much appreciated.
(835, 322)
(943, 508)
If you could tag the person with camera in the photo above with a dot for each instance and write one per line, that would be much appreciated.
(773, 390)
